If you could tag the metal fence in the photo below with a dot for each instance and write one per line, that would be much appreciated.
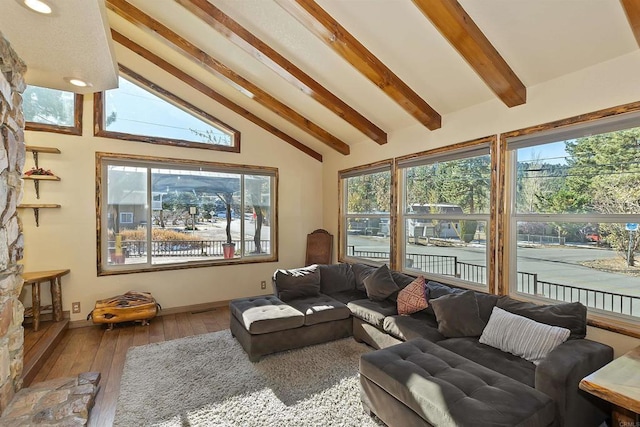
(185, 248)
(527, 283)
(608, 301)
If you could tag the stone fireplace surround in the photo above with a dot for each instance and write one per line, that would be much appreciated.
(61, 401)
(12, 157)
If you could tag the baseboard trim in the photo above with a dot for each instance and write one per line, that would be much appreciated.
(195, 308)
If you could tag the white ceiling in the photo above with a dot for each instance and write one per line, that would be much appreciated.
(540, 40)
(74, 41)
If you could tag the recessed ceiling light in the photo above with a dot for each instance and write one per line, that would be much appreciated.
(77, 82)
(38, 6)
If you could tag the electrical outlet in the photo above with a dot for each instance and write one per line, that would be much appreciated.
(263, 285)
(75, 307)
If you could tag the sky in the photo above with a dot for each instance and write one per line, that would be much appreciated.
(140, 112)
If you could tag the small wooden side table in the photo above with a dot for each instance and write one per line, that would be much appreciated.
(618, 382)
(54, 278)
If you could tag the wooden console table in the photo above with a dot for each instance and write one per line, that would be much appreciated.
(618, 382)
(54, 278)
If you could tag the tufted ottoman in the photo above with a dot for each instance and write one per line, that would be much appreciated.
(418, 383)
(265, 325)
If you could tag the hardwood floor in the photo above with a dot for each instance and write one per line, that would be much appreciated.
(97, 349)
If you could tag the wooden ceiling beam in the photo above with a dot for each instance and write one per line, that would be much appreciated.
(266, 55)
(458, 28)
(320, 23)
(632, 10)
(212, 94)
(175, 41)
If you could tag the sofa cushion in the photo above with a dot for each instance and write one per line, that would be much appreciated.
(522, 336)
(348, 296)
(297, 283)
(507, 364)
(572, 316)
(401, 279)
(486, 302)
(361, 272)
(336, 278)
(458, 315)
(372, 312)
(320, 309)
(406, 328)
(412, 298)
(380, 284)
(260, 315)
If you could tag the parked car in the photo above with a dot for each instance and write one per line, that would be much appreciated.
(592, 237)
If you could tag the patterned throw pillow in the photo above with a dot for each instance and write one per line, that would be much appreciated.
(412, 298)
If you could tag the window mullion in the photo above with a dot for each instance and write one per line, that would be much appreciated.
(149, 242)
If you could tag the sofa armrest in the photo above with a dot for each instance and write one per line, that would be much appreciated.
(558, 376)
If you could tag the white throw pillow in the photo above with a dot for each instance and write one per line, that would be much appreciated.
(521, 336)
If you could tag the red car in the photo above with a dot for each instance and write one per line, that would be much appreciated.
(592, 237)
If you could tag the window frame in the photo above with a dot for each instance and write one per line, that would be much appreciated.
(452, 152)
(371, 168)
(598, 122)
(126, 73)
(103, 160)
(75, 129)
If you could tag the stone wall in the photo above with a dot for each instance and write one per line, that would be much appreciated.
(12, 154)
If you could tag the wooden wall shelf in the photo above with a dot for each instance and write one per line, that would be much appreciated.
(37, 178)
(35, 150)
(36, 181)
(36, 209)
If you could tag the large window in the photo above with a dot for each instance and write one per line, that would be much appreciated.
(139, 110)
(575, 207)
(52, 110)
(365, 221)
(445, 213)
(164, 214)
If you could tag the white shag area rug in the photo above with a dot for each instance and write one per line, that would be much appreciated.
(208, 380)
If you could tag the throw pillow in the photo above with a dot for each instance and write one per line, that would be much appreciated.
(458, 315)
(361, 272)
(522, 336)
(297, 283)
(413, 297)
(436, 290)
(380, 284)
(570, 315)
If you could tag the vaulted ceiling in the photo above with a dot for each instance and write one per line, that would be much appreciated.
(327, 74)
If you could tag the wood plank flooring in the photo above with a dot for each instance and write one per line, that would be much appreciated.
(97, 349)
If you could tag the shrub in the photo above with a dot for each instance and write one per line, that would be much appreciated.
(468, 230)
(157, 234)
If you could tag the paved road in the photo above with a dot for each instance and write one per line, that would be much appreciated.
(553, 264)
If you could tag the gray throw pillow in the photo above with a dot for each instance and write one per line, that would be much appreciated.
(380, 284)
(297, 283)
(458, 315)
(361, 272)
(436, 290)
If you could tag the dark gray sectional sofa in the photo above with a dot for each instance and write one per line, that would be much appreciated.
(341, 308)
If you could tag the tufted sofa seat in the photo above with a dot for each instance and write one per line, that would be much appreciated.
(418, 383)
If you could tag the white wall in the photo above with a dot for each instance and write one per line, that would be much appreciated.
(66, 237)
(605, 85)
